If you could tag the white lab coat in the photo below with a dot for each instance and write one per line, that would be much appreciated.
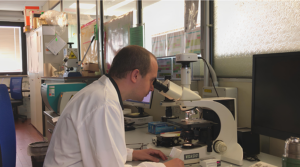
(90, 131)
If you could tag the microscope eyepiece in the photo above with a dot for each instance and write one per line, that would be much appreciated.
(160, 86)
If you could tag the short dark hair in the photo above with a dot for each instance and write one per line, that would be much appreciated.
(128, 59)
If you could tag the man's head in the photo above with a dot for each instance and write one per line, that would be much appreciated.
(137, 68)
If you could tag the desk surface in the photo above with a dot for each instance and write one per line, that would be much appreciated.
(23, 90)
(141, 135)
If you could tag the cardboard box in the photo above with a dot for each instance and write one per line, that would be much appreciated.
(90, 67)
(34, 17)
(87, 73)
(27, 13)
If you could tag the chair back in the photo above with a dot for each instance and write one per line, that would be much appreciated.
(16, 88)
(7, 129)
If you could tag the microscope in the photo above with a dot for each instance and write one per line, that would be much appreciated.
(199, 141)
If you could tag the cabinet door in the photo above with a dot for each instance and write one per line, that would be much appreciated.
(32, 98)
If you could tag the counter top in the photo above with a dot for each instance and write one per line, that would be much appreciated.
(141, 135)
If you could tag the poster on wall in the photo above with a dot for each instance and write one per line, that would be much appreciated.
(193, 41)
(116, 36)
(175, 43)
(159, 45)
(164, 67)
(137, 36)
(191, 14)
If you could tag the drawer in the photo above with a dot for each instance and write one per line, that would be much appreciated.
(49, 130)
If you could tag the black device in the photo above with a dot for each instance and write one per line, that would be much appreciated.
(166, 141)
(128, 125)
(249, 141)
(200, 131)
(276, 95)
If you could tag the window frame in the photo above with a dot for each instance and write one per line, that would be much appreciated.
(23, 50)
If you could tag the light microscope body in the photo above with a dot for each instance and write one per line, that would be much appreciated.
(225, 146)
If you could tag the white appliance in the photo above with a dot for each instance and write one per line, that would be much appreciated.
(42, 63)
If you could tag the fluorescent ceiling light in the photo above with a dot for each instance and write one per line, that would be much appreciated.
(119, 5)
(83, 6)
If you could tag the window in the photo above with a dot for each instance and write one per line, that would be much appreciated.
(12, 49)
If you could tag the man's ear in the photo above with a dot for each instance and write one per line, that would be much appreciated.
(134, 75)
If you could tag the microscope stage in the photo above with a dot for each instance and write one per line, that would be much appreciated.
(192, 123)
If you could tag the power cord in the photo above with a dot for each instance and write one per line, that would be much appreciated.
(251, 158)
(210, 75)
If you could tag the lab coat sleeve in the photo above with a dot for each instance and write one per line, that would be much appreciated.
(104, 129)
(129, 154)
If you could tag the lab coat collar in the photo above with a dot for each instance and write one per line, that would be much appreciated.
(117, 89)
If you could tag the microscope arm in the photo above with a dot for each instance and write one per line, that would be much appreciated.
(228, 131)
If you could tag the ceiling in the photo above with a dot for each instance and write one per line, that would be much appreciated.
(11, 10)
(19, 5)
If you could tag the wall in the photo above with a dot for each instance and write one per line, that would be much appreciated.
(11, 16)
(25, 108)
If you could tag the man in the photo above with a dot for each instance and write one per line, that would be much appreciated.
(90, 131)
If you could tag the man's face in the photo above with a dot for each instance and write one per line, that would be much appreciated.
(145, 84)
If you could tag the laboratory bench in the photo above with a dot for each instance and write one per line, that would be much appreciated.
(141, 135)
(141, 138)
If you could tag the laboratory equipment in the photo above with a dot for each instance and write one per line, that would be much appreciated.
(71, 61)
(291, 156)
(169, 112)
(52, 97)
(275, 95)
(224, 146)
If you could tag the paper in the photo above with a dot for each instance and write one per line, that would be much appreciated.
(193, 41)
(159, 46)
(56, 44)
(136, 36)
(175, 43)
(55, 119)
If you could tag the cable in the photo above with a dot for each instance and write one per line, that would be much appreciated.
(251, 158)
(210, 75)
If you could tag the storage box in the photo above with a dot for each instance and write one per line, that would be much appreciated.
(87, 73)
(34, 17)
(26, 28)
(27, 13)
(161, 127)
(90, 67)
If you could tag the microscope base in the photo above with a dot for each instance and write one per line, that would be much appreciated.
(189, 156)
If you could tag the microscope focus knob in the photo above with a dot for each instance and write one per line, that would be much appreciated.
(220, 146)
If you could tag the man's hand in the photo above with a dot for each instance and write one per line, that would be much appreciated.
(174, 163)
(148, 154)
